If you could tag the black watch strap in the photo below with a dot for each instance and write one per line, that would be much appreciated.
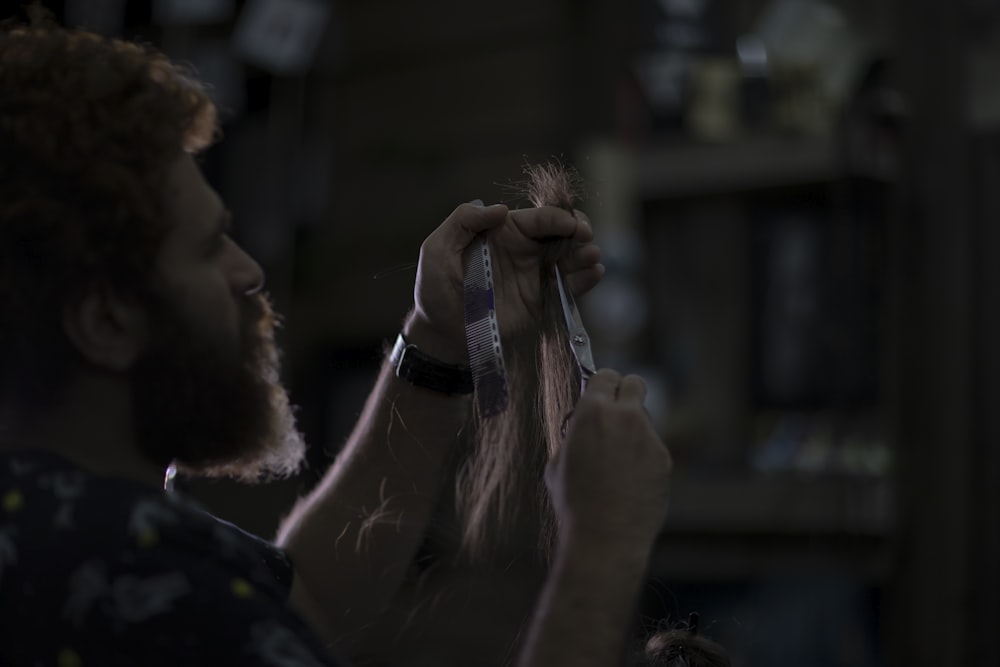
(425, 371)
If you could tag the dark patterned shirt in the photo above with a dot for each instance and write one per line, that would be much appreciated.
(99, 571)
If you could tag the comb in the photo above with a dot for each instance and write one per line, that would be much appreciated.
(482, 335)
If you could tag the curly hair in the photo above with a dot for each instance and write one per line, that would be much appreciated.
(681, 648)
(88, 127)
(680, 645)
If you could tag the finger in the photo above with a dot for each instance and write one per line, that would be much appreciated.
(586, 227)
(467, 221)
(603, 384)
(580, 257)
(632, 389)
(584, 280)
(548, 222)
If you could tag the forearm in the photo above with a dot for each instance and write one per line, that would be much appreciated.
(583, 614)
(354, 536)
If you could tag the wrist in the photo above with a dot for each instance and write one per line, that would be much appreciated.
(414, 366)
(612, 544)
(449, 349)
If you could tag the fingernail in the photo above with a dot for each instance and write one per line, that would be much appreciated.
(476, 202)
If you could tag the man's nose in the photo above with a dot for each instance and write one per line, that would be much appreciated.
(249, 276)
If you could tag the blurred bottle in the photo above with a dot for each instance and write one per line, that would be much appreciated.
(751, 52)
(673, 34)
(714, 112)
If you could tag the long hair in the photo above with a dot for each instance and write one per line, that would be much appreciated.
(88, 126)
(502, 502)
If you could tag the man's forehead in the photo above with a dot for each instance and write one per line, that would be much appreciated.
(186, 187)
(193, 208)
(184, 177)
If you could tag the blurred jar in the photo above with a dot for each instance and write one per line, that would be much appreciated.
(715, 109)
(800, 103)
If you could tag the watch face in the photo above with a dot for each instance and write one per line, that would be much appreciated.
(407, 367)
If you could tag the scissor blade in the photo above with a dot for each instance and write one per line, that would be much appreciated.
(578, 338)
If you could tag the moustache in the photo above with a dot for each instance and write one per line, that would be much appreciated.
(258, 321)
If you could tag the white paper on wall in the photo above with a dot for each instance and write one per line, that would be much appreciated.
(281, 35)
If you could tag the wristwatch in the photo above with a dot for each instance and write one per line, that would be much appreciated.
(425, 371)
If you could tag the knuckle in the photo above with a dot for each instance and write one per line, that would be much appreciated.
(635, 379)
(609, 374)
(467, 207)
(432, 241)
(663, 454)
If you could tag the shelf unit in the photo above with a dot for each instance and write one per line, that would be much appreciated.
(669, 169)
(726, 522)
(733, 528)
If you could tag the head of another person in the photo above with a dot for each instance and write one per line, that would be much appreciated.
(115, 258)
(681, 647)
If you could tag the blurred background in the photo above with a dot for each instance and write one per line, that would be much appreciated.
(798, 204)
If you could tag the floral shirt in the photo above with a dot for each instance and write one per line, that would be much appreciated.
(98, 571)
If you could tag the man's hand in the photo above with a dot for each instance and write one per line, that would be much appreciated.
(518, 240)
(608, 484)
(609, 481)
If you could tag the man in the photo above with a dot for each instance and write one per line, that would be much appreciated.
(136, 340)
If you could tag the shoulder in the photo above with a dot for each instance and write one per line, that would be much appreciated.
(99, 565)
(47, 502)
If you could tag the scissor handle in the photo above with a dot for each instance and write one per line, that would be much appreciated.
(585, 375)
(565, 424)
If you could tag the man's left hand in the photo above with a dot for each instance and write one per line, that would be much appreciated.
(518, 240)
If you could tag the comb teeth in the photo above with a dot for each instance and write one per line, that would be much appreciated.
(482, 335)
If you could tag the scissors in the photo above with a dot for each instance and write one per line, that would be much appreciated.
(579, 341)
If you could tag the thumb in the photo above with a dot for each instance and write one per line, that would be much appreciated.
(468, 221)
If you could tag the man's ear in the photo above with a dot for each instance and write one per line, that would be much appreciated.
(108, 331)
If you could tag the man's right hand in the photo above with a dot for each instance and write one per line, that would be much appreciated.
(609, 481)
(608, 484)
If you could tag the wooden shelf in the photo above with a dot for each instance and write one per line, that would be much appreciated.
(743, 527)
(683, 168)
(780, 503)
